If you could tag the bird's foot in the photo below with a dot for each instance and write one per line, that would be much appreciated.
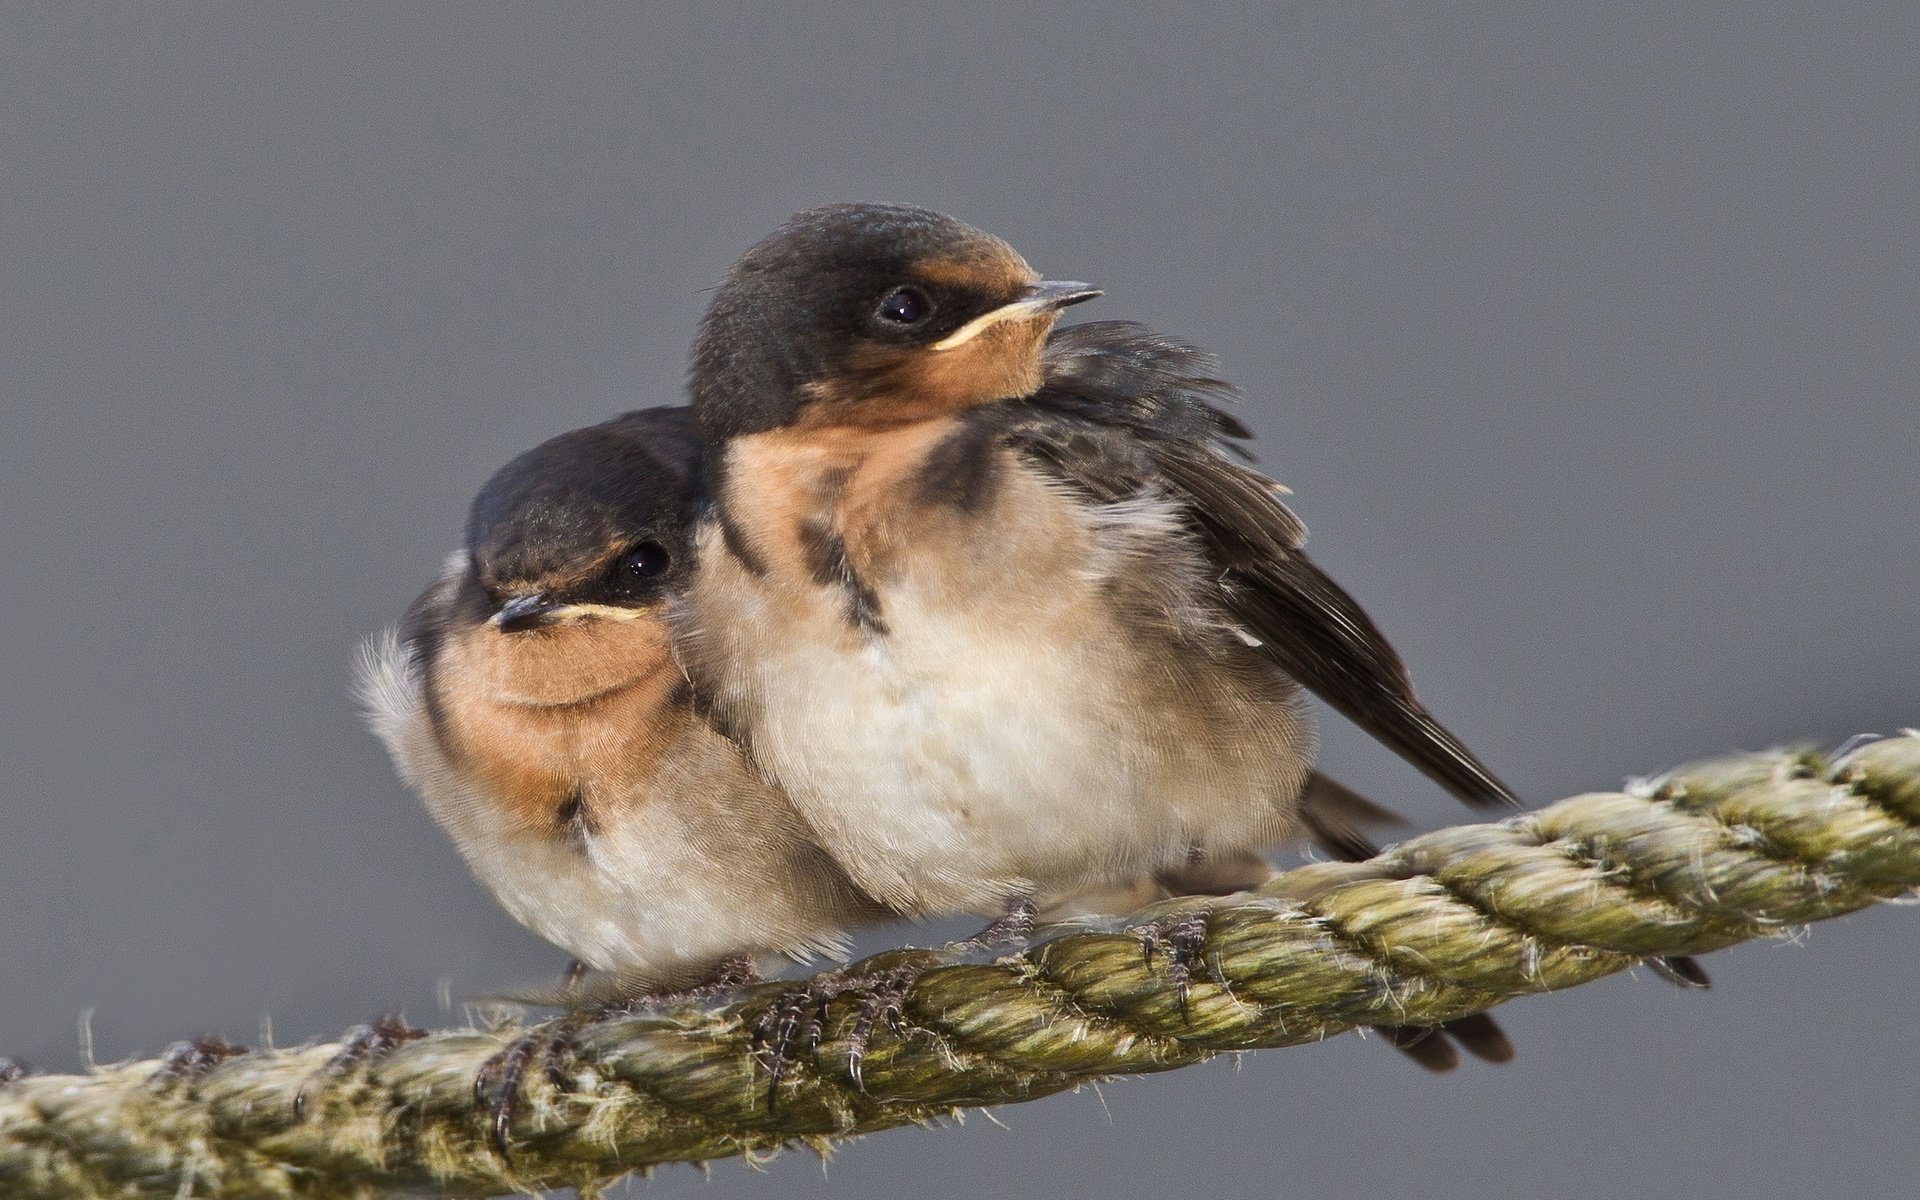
(1182, 938)
(365, 1044)
(729, 975)
(1012, 928)
(499, 1086)
(794, 1023)
(192, 1058)
(795, 1017)
(884, 992)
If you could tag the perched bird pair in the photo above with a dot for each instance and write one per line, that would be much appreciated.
(922, 607)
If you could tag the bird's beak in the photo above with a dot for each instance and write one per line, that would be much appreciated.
(1046, 296)
(526, 612)
(1051, 294)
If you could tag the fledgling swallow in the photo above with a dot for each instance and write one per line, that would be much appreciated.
(532, 699)
(997, 608)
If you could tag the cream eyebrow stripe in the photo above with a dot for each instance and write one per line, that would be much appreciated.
(612, 612)
(986, 320)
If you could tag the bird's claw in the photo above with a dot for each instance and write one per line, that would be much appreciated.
(796, 1016)
(1182, 938)
(1014, 927)
(500, 1084)
(364, 1044)
(193, 1058)
(885, 992)
(795, 1021)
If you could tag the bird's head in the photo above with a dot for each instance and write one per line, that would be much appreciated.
(862, 314)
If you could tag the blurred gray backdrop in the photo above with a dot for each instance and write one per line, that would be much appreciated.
(1586, 339)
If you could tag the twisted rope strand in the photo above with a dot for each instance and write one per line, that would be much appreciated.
(1445, 925)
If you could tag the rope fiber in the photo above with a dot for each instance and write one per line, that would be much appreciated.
(1440, 927)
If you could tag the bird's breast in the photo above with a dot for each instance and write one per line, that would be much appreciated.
(680, 855)
(963, 707)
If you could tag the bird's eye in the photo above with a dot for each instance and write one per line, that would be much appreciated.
(905, 306)
(648, 560)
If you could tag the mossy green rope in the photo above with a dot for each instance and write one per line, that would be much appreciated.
(1444, 925)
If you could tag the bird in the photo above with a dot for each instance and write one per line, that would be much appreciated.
(1005, 609)
(996, 604)
(532, 698)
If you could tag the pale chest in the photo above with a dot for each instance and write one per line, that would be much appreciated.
(961, 709)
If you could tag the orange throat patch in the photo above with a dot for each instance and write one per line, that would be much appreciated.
(559, 725)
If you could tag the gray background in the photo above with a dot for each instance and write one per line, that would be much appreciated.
(1588, 344)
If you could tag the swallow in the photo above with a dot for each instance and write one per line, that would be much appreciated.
(531, 697)
(998, 606)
